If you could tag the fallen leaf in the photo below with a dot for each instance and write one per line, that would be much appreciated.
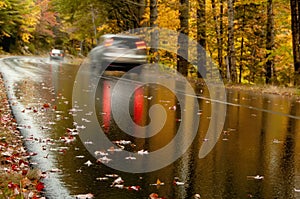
(46, 105)
(84, 196)
(88, 163)
(40, 186)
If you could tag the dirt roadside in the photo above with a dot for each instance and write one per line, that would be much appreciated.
(17, 178)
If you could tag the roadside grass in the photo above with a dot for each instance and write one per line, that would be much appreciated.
(267, 89)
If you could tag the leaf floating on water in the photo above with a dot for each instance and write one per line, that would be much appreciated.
(75, 110)
(130, 158)
(143, 152)
(88, 142)
(102, 178)
(89, 113)
(134, 188)
(88, 163)
(104, 160)
(120, 186)
(123, 142)
(257, 177)
(55, 170)
(158, 183)
(80, 156)
(155, 196)
(117, 181)
(85, 120)
(297, 190)
(101, 153)
(84, 196)
(112, 175)
(149, 98)
(177, 182)
(173, 108)
(68, 139)
(276, 141)
(112, 149)
(69, 130)
(80, 127)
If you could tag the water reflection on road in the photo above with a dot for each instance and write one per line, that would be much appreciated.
(253, 141)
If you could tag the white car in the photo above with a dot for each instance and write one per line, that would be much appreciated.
(57, 54)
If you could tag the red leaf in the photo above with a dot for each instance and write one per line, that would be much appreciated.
(24, 172)
(46, 105)
(12, 185)
(40, 186)
(14, 167)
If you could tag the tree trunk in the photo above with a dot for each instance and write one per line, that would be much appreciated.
(220, 47)
(154, 34)
(295, 12)
(94, 25)
(270, 42)
(141, 12)
(231, 48)
(182, 53)
(242, 44)
(201, 38)
(219, 32)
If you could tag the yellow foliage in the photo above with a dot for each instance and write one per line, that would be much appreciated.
(29, 20)
(26, 37)
(168, 17)
(3, 4)
(110, 27)
(146, 17)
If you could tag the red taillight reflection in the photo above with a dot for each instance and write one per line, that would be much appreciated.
(138, 106)
(106, 106)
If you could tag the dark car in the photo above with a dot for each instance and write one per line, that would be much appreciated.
(119, 52)
(57, 54)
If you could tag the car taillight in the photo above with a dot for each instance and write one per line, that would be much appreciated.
(140, 45)
(108, 42)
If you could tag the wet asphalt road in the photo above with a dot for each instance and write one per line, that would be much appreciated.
(255, 155)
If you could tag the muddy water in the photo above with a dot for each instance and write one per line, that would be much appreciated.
(259, 138)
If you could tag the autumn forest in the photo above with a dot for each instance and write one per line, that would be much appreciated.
(251, 42)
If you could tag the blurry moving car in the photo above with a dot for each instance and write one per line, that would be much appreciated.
(57, 54)
(119, 52)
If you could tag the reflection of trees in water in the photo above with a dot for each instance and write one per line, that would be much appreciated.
(287, 164)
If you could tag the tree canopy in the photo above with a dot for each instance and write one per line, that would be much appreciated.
(250, 41)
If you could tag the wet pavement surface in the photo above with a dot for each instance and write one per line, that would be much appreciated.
(256, 154)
